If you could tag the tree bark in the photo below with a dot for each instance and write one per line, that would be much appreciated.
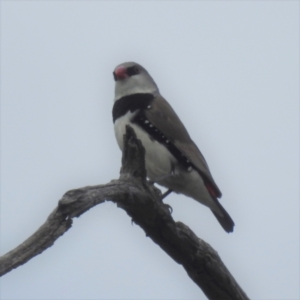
(142, 202)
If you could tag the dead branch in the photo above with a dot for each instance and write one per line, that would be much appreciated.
(142, 203)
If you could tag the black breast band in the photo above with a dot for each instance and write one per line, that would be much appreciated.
(131, 103)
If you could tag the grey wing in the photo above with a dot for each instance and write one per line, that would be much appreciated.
(164, 118)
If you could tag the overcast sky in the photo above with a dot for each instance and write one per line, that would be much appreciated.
(231, 71)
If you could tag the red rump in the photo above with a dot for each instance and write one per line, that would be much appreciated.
(211, 190)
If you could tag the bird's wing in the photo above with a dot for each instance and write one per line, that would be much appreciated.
(164, 118)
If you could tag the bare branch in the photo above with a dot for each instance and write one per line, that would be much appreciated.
(142, 203)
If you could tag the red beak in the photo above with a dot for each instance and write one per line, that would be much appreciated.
(120, 73)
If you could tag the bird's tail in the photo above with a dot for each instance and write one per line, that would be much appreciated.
(225, 220)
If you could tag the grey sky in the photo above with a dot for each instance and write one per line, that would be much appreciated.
(231, 71)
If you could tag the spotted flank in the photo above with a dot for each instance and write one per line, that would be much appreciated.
(157, 135)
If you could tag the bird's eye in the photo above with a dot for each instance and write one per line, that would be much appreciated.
(131, 71)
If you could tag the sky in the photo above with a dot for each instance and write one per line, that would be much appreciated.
(230, 69)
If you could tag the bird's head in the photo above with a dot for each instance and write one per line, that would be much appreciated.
(132, 78)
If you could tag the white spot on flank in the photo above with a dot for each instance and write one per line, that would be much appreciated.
(149, 106)
(146, 121)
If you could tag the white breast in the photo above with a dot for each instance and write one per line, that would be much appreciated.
(158, 159)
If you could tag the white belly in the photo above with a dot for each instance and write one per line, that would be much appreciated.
(158, 159)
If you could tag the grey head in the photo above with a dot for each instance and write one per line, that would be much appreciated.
(131, 78)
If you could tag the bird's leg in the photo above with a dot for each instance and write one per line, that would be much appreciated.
(165, 194)
(168, 192)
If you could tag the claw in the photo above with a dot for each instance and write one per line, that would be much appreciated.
(169, 208)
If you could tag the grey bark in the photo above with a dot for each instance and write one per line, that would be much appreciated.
(142, 203)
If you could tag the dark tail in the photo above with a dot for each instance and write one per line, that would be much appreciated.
(225, 220)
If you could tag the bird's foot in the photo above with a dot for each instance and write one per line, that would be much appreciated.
(164, 195)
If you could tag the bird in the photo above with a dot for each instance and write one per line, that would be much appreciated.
(172, 159)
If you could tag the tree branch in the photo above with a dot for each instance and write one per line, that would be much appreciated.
(142, 203)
